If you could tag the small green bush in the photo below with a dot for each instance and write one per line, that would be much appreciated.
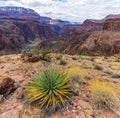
(25, 49)
(44, 55)
(63, 62)
(74, 58)
(50, 89)
(36, 51)
(59, 57)
(97, 67)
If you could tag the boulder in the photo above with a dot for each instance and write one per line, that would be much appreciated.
(7, 85)
(29, 57)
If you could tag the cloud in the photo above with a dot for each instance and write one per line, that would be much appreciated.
(60, 0)
(72, 10)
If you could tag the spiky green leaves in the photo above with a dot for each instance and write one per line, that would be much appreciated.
(49, 88)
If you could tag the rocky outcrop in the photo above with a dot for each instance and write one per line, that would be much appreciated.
(7, 85)
(112, 16)
(89, 26)
(101, 43)
(59, 22)
(29, 57)
(106, 42)
(112, 25)
(15, 33)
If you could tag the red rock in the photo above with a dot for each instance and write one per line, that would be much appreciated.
(87, 26)
(7, 85)
(29, 57)
(16, 33)
(112, 25)
(101, 43)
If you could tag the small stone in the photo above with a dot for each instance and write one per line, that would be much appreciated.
(73, 111)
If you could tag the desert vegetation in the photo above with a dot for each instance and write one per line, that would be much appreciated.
(73, 88)
(104, 94)
(50, 89)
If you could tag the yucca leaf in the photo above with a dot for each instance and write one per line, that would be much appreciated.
(49, 88)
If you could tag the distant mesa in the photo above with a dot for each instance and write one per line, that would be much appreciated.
(18, 12)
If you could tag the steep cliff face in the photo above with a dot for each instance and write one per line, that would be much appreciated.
(87, 26)
(104, 42)
(68, 44)
(16, 33)
(68, 29)
(101, 43)
(112, 25)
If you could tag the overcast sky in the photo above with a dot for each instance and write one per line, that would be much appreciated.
(72, 10)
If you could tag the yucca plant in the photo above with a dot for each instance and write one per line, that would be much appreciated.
(50, 89)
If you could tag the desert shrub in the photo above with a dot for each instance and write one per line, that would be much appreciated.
(75, 58)
(63, 62)
(105, 57)
(50, 89)
(97, 67)
(77, 75)
(59, 57)
(92, 59)
(104, 94)
(25, 49)
(44, 55)
(117, 59)
(36, 51)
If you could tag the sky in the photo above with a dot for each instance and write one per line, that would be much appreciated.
(71, 10)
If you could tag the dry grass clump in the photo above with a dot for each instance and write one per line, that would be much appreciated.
(104, 94)
(77, 74)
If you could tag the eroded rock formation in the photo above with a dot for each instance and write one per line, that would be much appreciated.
(89, 42)
(15, 33)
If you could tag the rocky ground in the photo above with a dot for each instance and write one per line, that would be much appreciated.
(82, 106)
